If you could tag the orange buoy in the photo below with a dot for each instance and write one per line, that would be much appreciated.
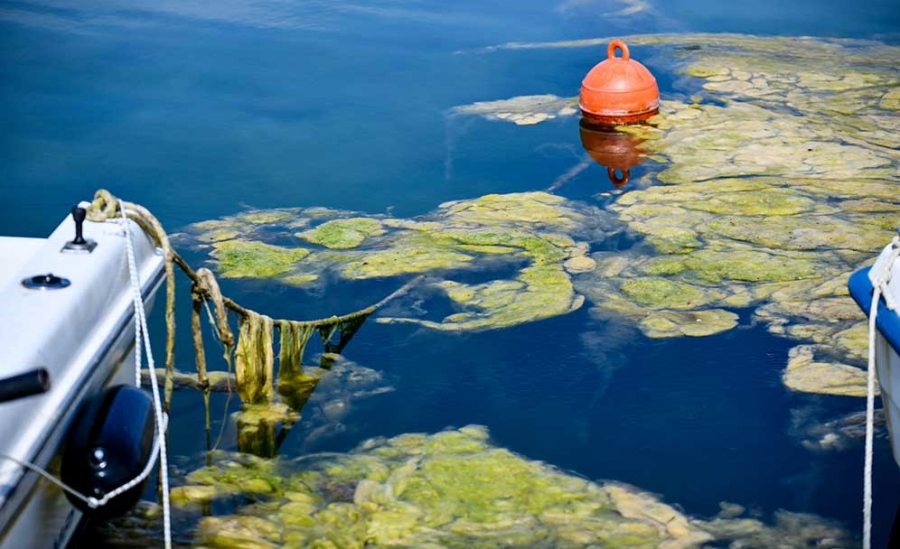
(619, 90)
(618, 152)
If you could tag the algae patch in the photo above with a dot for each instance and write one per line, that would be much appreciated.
(245, 259)
(535, 233)
(450, 489)
(778, 181)
(342, 234)
(524, 110)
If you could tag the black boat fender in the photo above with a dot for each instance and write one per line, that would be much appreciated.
(108, 445)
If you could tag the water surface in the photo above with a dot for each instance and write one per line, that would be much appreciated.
(197, 111)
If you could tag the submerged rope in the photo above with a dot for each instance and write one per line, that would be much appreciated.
(294, 337)
(253, 349)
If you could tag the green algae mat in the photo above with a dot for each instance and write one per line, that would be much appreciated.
(452, 489)
(776, 180)
(546, 235)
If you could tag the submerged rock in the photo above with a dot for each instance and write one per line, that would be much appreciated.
(790, 530)
(325, 394)
(337, 390)
(837, 434)
(580, 264)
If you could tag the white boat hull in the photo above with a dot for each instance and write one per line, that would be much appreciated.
(84, 336)
(888, 370)
(887, 338)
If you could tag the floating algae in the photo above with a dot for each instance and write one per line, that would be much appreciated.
(451, 489)
(804, 373)
(535, 228)
(342, 234)
(524, 110)
(818, 142)
(780, 179)
(820, 198)
(242, 259)
(706, 322)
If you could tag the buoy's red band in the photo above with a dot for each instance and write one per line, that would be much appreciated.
(615, 119)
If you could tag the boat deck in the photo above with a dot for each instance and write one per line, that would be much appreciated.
(16, 251)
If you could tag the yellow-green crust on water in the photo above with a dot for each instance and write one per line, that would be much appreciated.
(244, 259)
(342, 234)
(535, 231)
(525, 110)
(452, 489)
(779, 178)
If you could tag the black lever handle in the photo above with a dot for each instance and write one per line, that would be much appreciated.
(32, 382)
(79, 214)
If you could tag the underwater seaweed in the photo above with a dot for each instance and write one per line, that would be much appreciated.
(451, 489)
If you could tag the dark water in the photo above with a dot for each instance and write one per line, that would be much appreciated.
(195, 110)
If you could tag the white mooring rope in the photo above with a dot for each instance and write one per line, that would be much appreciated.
(140, 329)
(91, 501)
(880, 289)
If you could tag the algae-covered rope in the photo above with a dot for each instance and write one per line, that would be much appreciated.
(105, 207)
(254, 348)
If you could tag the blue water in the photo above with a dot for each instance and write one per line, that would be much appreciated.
(196, 110)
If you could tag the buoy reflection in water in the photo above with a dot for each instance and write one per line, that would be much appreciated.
(617, 151)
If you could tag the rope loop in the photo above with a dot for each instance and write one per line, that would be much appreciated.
(104, 207)
(209, 288)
